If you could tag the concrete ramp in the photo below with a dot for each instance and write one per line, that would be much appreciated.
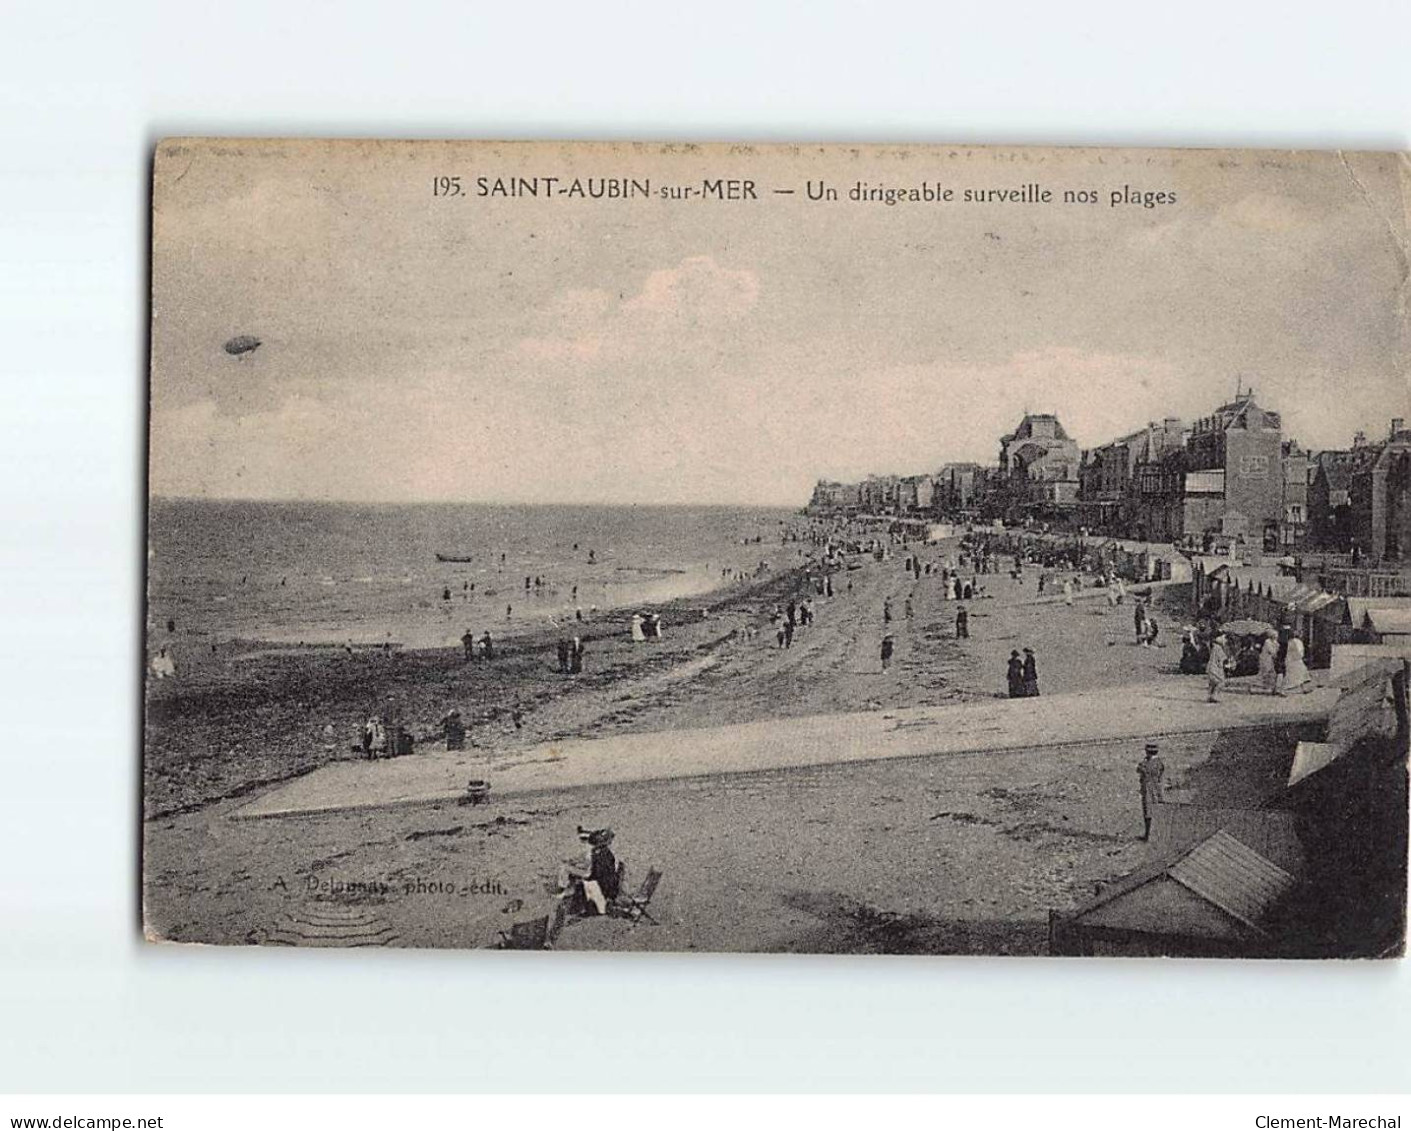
(1136, 712)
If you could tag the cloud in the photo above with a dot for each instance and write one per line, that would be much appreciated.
(696, 296)
(573, 355)
(698, 289)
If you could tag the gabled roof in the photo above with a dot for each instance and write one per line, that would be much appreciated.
(1025, 431)
(1338, 467)
(1238, 413)
(1310, 599)
(1234, 878)
(1338, 475)
(1389, 622)
(1359, 607)
(1221, 889)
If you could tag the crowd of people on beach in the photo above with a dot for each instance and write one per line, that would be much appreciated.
(959, 575)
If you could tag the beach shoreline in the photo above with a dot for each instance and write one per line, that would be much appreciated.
(366, 576)
(244, 693)
(1010, 842)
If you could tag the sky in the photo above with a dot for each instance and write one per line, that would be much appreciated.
(421, 348)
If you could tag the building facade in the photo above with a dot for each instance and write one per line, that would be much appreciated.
(1293, 529)
(959, 487)
(1038, 466)
(1233, 478)
(1234, 481)
(1330, 497)
(1108, 478)
(1380, 501)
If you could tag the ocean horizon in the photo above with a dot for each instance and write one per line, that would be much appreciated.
(339, 572)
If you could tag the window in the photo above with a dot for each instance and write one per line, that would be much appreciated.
(1254, 467)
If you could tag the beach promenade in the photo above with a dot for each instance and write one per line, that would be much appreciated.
(1137, 712)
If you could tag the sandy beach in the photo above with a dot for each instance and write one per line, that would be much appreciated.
(964, 854)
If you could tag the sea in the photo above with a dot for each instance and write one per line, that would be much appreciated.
(324, 574)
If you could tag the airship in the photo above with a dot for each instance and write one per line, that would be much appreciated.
(238, 347)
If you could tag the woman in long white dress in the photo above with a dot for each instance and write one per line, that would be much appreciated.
(1296, 677)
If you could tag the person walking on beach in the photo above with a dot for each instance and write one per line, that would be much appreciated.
(908, 610)
(1031, 675)
(453, 727)
(1215, 666)
(1068, 591)
(1268, 656)
(1016, 676)
(468, 643)
(962, 623)
(509, 611)
(378, 736)
(1281, 659)
(887, 611)
(1150, 771)
(563, 647)
(487, 647)
(789, 633)
(575, 663)
(1139, 620)
(887, 646)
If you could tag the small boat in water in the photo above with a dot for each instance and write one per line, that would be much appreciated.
(453, 557)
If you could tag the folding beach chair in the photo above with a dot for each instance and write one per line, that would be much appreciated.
(634, 907)
(556, 922)
(533, 935)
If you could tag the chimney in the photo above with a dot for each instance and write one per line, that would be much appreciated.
(1398, 424)
(1359, 439)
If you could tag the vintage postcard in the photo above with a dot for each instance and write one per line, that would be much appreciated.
(847, 549)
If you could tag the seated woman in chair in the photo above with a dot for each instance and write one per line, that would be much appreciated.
(590, 894)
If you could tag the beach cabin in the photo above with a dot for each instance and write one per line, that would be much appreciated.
(1386, 619)
(1373, 628)
(1214, 899)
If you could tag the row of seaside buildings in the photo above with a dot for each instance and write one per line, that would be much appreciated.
(1228, 478)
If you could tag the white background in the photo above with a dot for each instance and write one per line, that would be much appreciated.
(85, 89)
